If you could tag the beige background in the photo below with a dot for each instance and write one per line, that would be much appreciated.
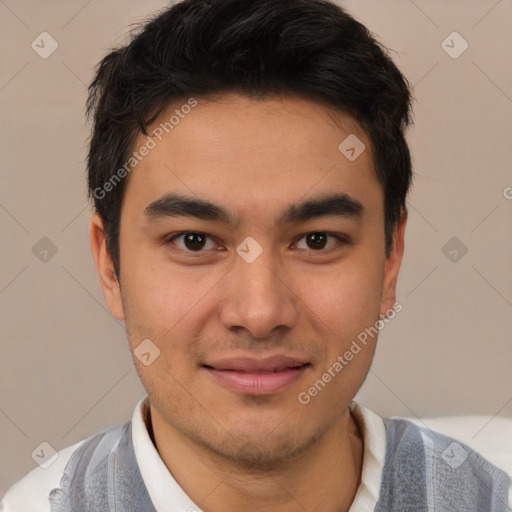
(66, 372)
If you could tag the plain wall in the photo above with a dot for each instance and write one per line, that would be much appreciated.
(66, 371)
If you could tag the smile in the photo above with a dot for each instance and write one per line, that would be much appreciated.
(257, 382)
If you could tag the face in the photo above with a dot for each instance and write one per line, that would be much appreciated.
(251, 300)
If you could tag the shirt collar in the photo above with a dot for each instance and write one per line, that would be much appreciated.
(168, 496)
(373, 431)
(164, 491)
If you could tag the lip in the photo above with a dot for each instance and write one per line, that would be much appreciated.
(251, 376)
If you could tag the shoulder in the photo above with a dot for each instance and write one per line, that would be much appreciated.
(32, 492)
(447, 470)
(404, 435)
(406, 438)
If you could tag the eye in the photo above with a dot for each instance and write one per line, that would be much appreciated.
(317, 240)
(193, 241)
(197, 242)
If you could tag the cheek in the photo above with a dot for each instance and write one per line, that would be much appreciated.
(161, 295)
(346, 299)
(346, 307)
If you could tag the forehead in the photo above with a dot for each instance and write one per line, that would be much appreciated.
(244, 151)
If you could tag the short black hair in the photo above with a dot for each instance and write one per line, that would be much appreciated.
(196, 48)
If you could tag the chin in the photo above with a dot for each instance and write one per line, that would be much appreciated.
(262, 449)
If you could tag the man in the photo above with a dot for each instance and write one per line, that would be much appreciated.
(249, 175)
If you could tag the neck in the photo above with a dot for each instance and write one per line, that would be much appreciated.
(328, 473)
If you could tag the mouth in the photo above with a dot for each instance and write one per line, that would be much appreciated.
(257, 377)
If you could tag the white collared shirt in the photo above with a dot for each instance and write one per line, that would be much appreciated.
(30, 494)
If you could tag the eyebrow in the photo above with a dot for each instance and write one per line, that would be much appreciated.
(178, 205)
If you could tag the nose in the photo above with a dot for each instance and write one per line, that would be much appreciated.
(259, 297)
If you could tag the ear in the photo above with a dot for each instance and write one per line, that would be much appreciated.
(105, 267)
(392, 265)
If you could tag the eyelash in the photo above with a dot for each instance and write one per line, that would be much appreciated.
(342, 239)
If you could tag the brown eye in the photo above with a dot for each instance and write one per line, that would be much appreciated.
(319, 241)
(192, 241)
(316, 240)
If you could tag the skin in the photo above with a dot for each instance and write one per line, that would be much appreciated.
(230, 451)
